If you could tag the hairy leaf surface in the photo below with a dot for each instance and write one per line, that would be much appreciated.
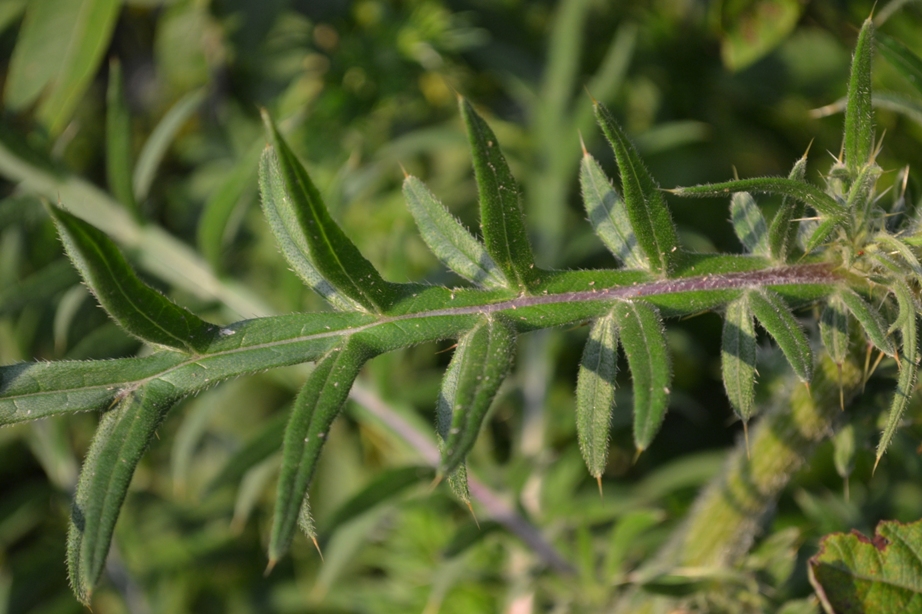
(909, 365)
(738, 357)
(870, 320)
(782, 235)
(595, 393)
(801, 191)
(776, 318)
(859, 119)
(749, 224)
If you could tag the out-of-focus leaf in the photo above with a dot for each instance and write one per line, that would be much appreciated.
(38, 288)
(469, 535)
(855, 573)
(834, 330)
(118, 140)
(901, 57)
(756, 29)
(260, 447)
(859, 118)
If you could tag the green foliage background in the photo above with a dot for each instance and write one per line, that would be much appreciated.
(362, 88)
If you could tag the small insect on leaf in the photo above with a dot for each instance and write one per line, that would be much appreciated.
(595, 393)
(647, 354)
(136, 307)
(485, 357)
(749, 224)
(777, 320)
(608, 215)
(123, 435)
(315, 408)
(501, 216)
(646, 207)
(449, 240)
(738, 357)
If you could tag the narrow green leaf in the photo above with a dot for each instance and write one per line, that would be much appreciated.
(608, 215)
(749, 224)
(820, 233)
(159, 141)
(901, 57)
(834, 330)
(595, 393)
(801, 191)
(484, 360)
(501, 216)
(444, 416)
(776, 318)
(782, 235)
(449, 240)
(860, 198)
(898, 248)
(318, 403)
(644, 344)
(121, 439)
(118, 141)
(330, 251)
(870, 320)
(292, 241)
(261, 446)
(646, 207)
(844, 450)
(909, 365)
(910, 107)
(859, 119)
(738, 357)
(135, 306)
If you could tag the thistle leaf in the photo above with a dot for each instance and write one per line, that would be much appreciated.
(900, 57)
(485, 358)
(909, 366)
(775, 318)
(644, 345)
(135, 306)
(118, 140)
(859, 120)
(782, 235)
(608, 215)
(738, 357)
(800, 191)
(595, 393)
(292, 242)
(646, 207)
(449, 240)
(834, 330)
(120, 440)
(501, 216)
(870, 320)
(749, 224)
(318, 403)
(330, 251)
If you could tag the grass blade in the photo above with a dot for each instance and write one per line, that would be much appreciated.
(159, 141)
(738, 357)
(329, 250)
(118, 141)
(318, 403)
(646, 207)
(501, 217)
(782, 235)
(800, 191)
(749, 224)
(449, 240)
(121, 439)
(901, 57)
(644, 344)
(909, 366)
(870, 320)
(859, 119)
(483, 362)
(135, 306)
(595, 393)
(777, 320)
(608, 215)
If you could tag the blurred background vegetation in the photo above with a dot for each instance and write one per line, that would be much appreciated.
(363, 88)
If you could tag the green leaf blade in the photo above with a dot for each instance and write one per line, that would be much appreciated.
(501, 217)
(315, 408)
(859, 118)
(646, 207)
(777, 320)
(449, 240)
(484, 360)
(608, 215)
(135, 306)
(749, 224)
(595, 393)
(901, 57)
(870, 320)
(801, 191)
(907, 322)
(834, 330)
(118, 141)
(123, 435)
(330, 251)
(644, 344)
(738, 357)
(782, 235)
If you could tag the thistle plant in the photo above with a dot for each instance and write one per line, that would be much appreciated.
(833, 247)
